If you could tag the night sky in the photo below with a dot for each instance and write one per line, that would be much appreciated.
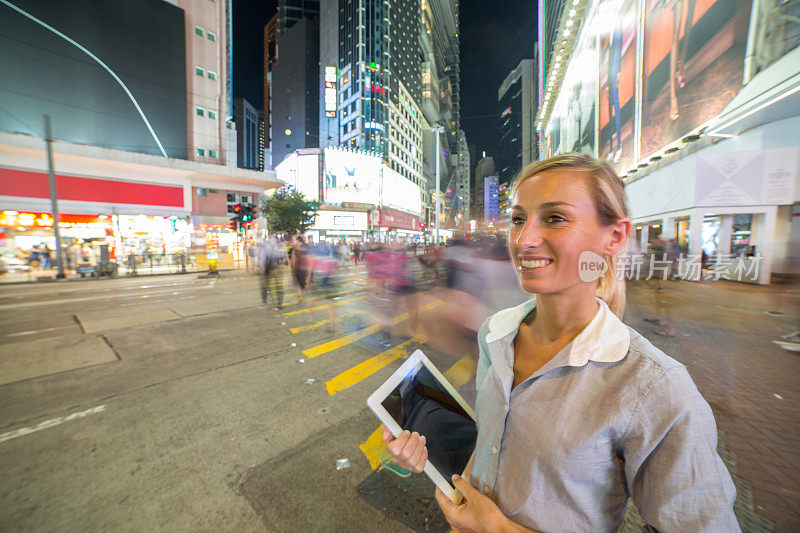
(495, 36)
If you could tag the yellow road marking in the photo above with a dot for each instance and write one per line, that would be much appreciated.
(361, 371)
(317, 308)
(329, 346)
(461, 372)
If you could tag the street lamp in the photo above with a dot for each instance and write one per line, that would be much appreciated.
(437, 129)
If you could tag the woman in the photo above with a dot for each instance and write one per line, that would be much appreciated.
(576, 411)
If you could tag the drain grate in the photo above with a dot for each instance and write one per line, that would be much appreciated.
(409, 500)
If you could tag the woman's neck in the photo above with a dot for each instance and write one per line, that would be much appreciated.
(560, 316)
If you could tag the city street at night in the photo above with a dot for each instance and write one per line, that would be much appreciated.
(179, 402)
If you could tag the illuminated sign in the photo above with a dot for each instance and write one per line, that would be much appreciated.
(330, 92)
(351, 177)
(400, 192)
(45, 220)
(506, 112)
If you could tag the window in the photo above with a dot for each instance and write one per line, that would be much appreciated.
(198, 31)
(212, 75)
(231, 198)
(212, 114)
(199, 71)
(201, 152)
(212, 153)
(200, 112)
(211, 36)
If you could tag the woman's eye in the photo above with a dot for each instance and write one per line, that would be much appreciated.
(554, 219)
(517, 221)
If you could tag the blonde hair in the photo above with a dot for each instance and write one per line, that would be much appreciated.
(608, 193)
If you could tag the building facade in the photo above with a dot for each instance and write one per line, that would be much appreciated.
(295, 90)
(719, 174)
(517, 98)
(209, 83)
(248, 139)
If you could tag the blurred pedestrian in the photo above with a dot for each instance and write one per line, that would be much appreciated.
(271, 281)
(325, 265)
(302, 270)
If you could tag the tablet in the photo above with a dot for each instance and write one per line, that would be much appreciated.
(417, 397)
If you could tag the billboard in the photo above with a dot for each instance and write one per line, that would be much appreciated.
(693, 53)
(301, 171)
(330, 92)
(617, 81)
(352, 177)
(400, 192)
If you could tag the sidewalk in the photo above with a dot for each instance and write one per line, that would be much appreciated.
(39, 275)
(724, 333)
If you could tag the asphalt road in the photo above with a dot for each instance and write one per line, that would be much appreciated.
(178, 403)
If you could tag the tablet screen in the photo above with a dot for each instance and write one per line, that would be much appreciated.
(420, 403)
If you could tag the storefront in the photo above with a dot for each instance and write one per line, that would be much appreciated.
(394, 226)
(336, 225)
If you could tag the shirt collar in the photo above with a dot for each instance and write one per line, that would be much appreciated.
(605, 339)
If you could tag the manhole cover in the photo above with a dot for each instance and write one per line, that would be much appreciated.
(409, 500)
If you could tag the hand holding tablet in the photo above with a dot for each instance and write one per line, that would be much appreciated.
(434, 428)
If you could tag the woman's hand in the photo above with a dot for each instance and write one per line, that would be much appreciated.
(476, 513)
(407, 450)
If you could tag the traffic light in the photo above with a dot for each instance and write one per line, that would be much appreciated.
(236, 219)
(248, 212)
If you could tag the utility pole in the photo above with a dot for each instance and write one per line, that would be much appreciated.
(53, 196)
(437, 129)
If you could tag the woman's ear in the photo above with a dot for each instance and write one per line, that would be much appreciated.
(617, 236)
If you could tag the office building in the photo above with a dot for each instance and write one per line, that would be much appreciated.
(290, 12)
(517, 99)
(491, 200)
(209, 84)
(247, 142)
(271, 37)
(295, 90)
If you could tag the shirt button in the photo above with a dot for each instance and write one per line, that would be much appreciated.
(486, 489)
(505, 408)
(494, 449)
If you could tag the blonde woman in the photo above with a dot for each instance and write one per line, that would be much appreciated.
(577, 412)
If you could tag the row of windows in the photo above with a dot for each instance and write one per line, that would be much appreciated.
(202, 72)
(202, 152)
(210, 113)
(205, 33)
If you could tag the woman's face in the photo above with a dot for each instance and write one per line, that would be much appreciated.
(553, 221)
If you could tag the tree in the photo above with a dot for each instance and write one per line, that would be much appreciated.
(288, 211)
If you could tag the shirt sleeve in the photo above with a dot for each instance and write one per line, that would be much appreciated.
(677, 479)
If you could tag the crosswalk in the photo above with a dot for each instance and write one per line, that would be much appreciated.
(351, 298)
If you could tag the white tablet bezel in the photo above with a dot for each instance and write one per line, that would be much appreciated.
(375, 402)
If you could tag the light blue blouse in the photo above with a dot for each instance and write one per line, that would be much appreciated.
(608, 418)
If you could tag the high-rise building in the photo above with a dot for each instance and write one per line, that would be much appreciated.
(209, 58)
(328, 73)
(440, 74)
(271, 36)
(485, 167)
(491, 200)
(262, 138)
(247, 142)
(290, 12)
(295, 90)
(517, 98)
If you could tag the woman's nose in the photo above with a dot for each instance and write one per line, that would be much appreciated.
(531, 235)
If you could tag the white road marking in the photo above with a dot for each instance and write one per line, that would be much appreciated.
(21, 333)
(50, 423)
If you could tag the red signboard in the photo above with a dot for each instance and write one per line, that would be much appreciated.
(36, 185)
(397, 219)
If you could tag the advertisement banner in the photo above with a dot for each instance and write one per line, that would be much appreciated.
(756, 177)
(617, 66)
(400, 192)
(692, 65)
(351, 177)
(396, 219)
